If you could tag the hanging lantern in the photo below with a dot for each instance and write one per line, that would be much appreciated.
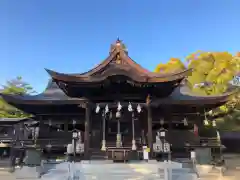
(162, 121)
(214, 123)
(97, 108)
(139, 109)
(74, 122)
(206, 122)
(119, 107)
(210, 112)
(118, 114)
(185, 122)
(106, 109)
(130, 107)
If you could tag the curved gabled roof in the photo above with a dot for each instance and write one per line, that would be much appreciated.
(119, 63)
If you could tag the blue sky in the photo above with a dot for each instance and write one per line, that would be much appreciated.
(74, 35)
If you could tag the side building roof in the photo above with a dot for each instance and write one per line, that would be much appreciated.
(51, 99)
(183, 99)
(11, 121)
(51, 95)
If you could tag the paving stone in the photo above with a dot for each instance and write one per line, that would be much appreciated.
(110, 171)
(28, 172)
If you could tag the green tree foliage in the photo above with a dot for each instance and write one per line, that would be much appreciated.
(215, 70)
(15, 87)
(212, 72)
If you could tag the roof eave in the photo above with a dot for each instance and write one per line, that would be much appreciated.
(13, 100)
(141, 79)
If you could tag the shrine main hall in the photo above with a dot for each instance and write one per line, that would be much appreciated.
(119, 108)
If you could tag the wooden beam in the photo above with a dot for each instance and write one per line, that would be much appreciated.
(61, 114)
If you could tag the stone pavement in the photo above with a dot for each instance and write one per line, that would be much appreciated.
(99, 170)
(117, 171)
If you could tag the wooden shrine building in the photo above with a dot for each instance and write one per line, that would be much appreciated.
(117, 104)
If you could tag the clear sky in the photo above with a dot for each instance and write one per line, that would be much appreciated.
(74, 35)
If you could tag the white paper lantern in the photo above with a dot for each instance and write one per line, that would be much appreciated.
(74, 122)
(130, 107)
(139, 109)
(97, 108)
(106, 109)
(119, 106)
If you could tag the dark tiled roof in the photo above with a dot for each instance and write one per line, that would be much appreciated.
(51, 93)
(180, 95)
(183, 94)
(14, 120)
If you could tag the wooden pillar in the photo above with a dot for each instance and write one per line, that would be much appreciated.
(40, 128)
(87, 130)
(149, 120)
(66, 126)
(169, 118)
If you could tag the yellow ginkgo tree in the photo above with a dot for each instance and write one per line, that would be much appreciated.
(211, 73)
(173, 65)
(214, 69)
